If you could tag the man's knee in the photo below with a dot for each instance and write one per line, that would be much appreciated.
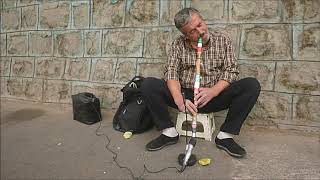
(252, 85)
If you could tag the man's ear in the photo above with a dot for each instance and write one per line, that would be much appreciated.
(182, 32)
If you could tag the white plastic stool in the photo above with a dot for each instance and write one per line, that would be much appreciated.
(207, 121)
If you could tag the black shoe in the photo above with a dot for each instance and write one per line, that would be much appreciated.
(160, 142)
(231, 147)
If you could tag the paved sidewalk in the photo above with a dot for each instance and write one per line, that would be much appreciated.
(41, 141)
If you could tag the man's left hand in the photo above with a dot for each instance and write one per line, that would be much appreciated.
(204, 96)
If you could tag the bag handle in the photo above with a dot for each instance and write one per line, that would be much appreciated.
(133, 85)
(133, 81)
(136, 78)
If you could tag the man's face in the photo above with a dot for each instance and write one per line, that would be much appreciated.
(194, 28)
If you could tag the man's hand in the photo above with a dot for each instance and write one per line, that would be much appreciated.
(191, 108)
(179, 102)
(204, 96)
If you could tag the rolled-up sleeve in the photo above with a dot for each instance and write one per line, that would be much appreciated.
(230, 70)
(173, 62)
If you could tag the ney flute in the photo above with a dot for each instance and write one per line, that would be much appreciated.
(192, 141)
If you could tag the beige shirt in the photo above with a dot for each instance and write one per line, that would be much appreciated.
(218, 62)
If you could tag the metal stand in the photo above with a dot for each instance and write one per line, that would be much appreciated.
(191, 161)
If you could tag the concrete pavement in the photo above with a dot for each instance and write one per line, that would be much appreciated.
(41, 141)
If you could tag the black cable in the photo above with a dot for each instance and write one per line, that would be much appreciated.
(145, 169)
(108, 143)
(149, 171)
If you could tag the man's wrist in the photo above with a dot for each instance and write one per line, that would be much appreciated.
(219, 87)
(178, 99)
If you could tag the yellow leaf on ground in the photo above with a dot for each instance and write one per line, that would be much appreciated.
(127, 134)
(204, 161)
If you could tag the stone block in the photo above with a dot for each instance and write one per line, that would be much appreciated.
(298, 77)
(92, 43)
(301, 10)
(125, 70)
(156, 41)
(142, 13)
(79, 87)
(77, 69)
(122, 43)
(311, 10)
(232, 31)
(306, 111)
(49, 67)
(54, 15)
(263, 71)
(14, 88)
(10, 19)
(265, 42)
(3, 44)
(8, 3)
(41, 43)
(306, 41)
(68, 44)
(212, 11)
(57, 91)
(17, 44)
(168, 9)
(289, 9)
(107, 13)
(32, 88)
(151, 67)
(270, 108)
(3, 86)
(174, 33)
(29, 17)
(103, 69)
(254, 11)
(23, 88)
(22, 66)
(26, 2)
(80, 15)
(111, 96)
(5, 63)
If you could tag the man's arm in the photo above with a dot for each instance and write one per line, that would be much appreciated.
(175, 90)
(171, 76)
(230, 70)
(219, 87)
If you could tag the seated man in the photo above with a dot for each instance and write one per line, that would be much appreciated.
(219, 88)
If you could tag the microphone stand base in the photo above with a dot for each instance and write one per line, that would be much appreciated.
(191, 161)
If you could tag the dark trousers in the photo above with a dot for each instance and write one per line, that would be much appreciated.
(239, 98)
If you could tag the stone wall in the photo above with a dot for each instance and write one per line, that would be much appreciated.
(52, 49)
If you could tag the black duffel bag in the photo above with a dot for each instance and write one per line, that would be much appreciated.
(86, 108)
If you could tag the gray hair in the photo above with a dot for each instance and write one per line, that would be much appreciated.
(184, 16)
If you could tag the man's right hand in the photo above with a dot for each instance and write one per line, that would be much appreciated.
(175, 90)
